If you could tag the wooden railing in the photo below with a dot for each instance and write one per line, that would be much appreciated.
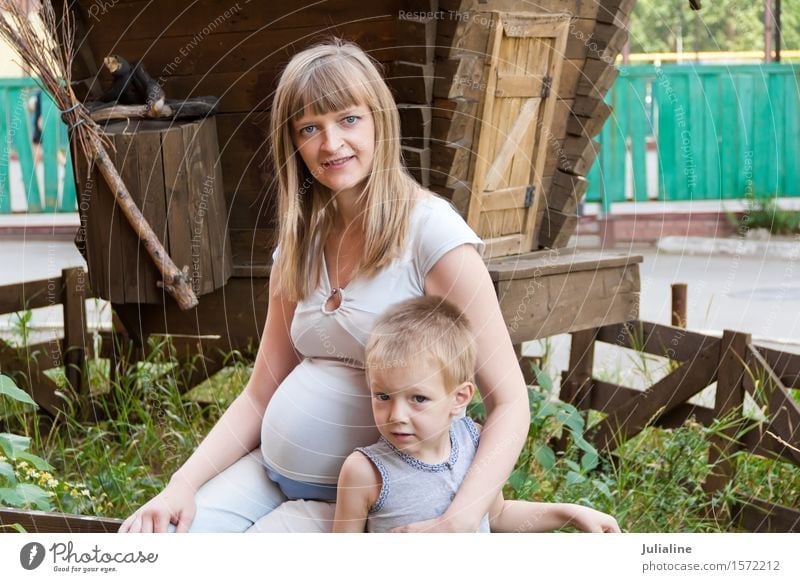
(738, 367)
(27, 363)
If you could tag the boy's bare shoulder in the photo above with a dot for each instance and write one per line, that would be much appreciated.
(359, 471)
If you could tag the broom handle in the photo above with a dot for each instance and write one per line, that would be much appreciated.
(175, 281)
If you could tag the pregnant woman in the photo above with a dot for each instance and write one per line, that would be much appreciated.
(357, 235)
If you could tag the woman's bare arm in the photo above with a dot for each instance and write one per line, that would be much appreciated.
(235, 434)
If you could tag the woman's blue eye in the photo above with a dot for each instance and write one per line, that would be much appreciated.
(307, 130)
(351, 119)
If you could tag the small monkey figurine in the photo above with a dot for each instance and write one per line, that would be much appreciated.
(133, 86)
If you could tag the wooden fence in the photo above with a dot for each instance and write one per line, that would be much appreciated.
(27, 363)
(737, 366)
(699, 132)
(733, 362)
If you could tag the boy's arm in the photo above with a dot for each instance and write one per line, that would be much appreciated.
(531, 517)
(358, 490)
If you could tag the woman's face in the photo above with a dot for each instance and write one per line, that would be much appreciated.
(337, 147)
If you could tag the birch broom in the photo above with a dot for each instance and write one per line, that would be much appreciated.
(34, 37)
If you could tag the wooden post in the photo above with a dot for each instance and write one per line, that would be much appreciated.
(728, 401)
(75, 334)
(679, 294)
(578, 377)
(608, 237)
(525, 365)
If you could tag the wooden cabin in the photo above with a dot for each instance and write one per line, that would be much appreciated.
(499, 107)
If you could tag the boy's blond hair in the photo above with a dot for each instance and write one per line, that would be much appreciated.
(422, 329)
(335, 76)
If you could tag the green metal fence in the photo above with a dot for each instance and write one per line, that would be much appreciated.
(16, 146)
(700, 132)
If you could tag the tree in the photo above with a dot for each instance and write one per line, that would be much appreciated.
(721, 25)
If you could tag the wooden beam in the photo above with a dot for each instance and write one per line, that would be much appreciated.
(784, 364)
(578, 375)
(48, 522)
(659, 340)
(607, 397)
(76, 336)
(728, 403)
(30, 295)
(782, 410)
(662, 397)
(758, 515)
(763, 440)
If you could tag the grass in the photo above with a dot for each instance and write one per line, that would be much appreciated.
(147, 428)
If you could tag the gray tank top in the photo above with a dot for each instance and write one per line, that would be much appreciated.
(412, 490)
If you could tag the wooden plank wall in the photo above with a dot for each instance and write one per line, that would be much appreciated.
(235, 51)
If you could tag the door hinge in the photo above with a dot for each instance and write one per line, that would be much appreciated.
(529, 196)
(547, 84)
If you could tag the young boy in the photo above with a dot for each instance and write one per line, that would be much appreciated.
(420, 360)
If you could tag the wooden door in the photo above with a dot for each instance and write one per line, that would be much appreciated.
(525, 53)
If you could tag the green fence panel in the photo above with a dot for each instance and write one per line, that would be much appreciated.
(69, 197)
(21, 139)
(16, 129)
(50, 147)
(5, 179)
(791, 159)
(711, 158)
(721, 132)
(638, 124)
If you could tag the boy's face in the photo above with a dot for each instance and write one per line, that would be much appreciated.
(413, 408)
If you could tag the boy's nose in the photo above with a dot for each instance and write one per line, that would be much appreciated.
(398, 413)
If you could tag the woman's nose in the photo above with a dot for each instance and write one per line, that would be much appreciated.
(331, 140)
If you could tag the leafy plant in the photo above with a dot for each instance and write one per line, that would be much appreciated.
(555, 442)
(26, 480)
(764, 212)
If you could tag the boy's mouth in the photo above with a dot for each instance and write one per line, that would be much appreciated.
(337, 163)
(402, 435)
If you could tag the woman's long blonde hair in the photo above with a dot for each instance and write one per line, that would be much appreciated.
(334, 76)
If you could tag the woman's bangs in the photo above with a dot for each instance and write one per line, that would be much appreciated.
(332, 88)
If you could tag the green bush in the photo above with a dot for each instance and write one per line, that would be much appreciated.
(764, 212)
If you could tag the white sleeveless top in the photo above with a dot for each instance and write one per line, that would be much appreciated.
(322, 410)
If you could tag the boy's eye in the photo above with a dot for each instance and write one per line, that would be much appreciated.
(381, 396)
(419, 398)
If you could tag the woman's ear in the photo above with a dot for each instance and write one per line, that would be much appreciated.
(462, 395)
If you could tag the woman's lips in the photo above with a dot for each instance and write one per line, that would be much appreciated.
(338, 163)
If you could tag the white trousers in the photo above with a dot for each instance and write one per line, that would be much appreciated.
(243, 499)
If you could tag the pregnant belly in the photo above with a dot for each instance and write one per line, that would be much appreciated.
(318, 415)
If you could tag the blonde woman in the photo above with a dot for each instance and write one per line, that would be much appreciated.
(357, 235)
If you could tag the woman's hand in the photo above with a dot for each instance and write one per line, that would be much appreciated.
(175, 504)
(590, 520)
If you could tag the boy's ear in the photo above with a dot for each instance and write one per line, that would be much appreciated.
(462, 395)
